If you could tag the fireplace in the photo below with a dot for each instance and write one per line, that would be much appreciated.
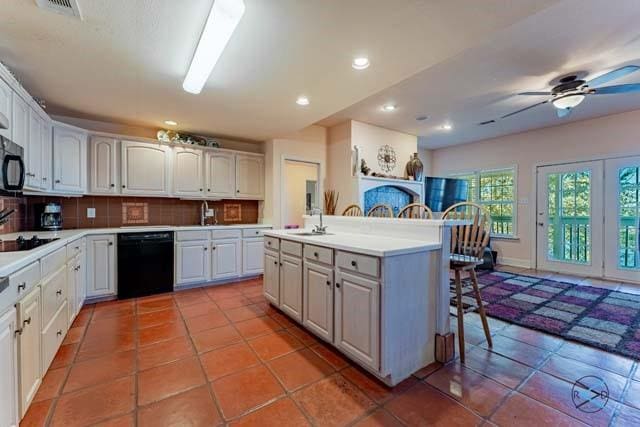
(396, 193)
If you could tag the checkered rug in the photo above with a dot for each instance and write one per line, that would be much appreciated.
(602, 318)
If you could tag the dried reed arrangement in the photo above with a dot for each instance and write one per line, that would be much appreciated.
(330, 202)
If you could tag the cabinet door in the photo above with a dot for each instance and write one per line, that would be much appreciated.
(6, 101)
(188, 176)
(221, 174)
(8, 370)
(318, 300)
(226, 255)
(101, 265)
(252, 256)
(33, 151)
(357, 318)
(291, 286)
(103, 165)
(69, 160)
(72, 288)
(145, 168)
(271, 279)
(47, 155)
(193, 262)
(20, 122)
(81, 276)
(249, 176)
(29, 347)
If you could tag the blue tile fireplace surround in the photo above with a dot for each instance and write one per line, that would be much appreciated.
(390, 195)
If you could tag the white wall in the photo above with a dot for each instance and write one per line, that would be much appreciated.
(603, 137)
(371, 138)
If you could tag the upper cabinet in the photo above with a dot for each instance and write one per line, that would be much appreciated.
(249, 176)
(221, 174)
(103, 175)
(145, 168)
(20, 123)
(33, 174)
(69, 160)
(188, 174)
(6, 101)
(47, 152)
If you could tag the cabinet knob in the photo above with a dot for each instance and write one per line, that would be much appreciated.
(213, 248)
(208, 189)
(27, 322)
(280, 264)
(18, 332)
(354, 264)
(110, 243)
(205, 248)
(269, 243)
(337, 284)
(59, 292)
(112, 185)
(124, 186)
(57, 181)
(275, 262)
(59, 333)
(315, 254)
(200, 189)
(22, 286)
(237, 191)
(44, 178)
(328, 282)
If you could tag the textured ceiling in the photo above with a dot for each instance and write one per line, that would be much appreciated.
(127, 59)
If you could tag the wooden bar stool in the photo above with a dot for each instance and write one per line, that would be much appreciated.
(352, 210)
(416, 211)
(381, 211)
(467, 248)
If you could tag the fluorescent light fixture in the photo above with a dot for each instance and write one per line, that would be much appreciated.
(221, 23)
(170, 123)
(446, 126)
(360, 63)
(302, 100)
(568, 101)
(388, 107)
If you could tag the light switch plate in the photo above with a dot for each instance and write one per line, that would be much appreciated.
(91, 212)
(208, 213)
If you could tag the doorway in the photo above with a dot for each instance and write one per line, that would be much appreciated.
(300, 191)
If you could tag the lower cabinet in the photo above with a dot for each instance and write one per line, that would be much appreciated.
(8, 370)
(318, 300)
(53, 334)
(291, 286)
(101, 263)
(252, 256)
(271, 279)
(29, 347)
(226, 259)
(193, 262)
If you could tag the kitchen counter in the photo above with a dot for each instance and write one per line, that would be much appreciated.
(380, 246)
(11, 262)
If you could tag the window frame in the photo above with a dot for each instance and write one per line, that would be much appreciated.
(477, 173)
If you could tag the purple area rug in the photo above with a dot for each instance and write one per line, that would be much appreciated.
(601, 318)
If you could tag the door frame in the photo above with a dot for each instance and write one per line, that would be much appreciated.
(300, 159)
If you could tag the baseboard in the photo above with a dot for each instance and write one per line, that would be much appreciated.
(514, 262)
(185, 286)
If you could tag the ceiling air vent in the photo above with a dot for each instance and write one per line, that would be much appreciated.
(63, 7)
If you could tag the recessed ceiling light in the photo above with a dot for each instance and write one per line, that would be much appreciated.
(422, 118)
(170, 123)
(389, 107)
(302, 100)
(221, 23)
(446, 126)
(360, 63)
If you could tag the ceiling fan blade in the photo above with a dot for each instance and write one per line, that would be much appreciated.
(612, 75)
(633, 87)
(563, 112)
(534, 93)
(524, 109)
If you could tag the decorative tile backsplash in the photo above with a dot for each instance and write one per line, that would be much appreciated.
(17, 220)
(135, 213)
(232, 212)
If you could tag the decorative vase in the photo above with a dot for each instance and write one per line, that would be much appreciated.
(415, 167)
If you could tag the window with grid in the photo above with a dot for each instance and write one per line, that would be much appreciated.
(495, 190)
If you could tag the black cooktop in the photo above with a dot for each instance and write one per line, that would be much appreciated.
(22, 244)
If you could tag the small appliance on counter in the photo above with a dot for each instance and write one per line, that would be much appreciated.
(50, 215)
(21, 244)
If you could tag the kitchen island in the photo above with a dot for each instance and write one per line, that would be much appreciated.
(374, 288)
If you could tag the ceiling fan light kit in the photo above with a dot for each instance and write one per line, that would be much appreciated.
(568, 101)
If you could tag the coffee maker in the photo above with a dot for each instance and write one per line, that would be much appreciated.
(50, 216)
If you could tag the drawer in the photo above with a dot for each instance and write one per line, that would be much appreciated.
(25, 279)
(185, 236)
(53, 334)
(291, 248)
(74, 248)
(54, 294)
(253, 232)
(319, 254)
(271, 243)
(226, 234)
(362, 264)
(53, 262)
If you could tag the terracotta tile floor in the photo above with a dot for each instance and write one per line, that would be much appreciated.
(223, 356)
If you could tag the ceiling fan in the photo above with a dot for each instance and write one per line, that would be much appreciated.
(572, 90)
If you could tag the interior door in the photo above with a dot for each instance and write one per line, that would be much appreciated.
(622, 218)
(569, 221)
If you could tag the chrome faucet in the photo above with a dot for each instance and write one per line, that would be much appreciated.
(318, 229)
(204, 207)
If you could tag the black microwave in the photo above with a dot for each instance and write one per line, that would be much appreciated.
(12, 171)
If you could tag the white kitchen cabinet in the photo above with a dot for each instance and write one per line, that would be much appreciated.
(221, 174)
(249, 176)
(8, 370)
(69, 160)
(101, 265)
(188, 172)
(20, 123)
(193, 262)
(6, 101)
(252, 256)
(72, 289)
(291, 286)
(145, 168)
(226, 258)
(271, 279)
(103, 176)
(29, 347)
(33, 152)
(318, 300)
(47, 155)
(357, 318)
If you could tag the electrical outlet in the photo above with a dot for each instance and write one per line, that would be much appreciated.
(208, 213)
(91, 212)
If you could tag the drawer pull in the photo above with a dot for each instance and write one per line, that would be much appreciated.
(213, 248)
(27, 322)
(315, 254)
(205, 248)
(275, 262)
(59, 333)
(328, 282)
(269, 243)
(59, 292)
(354, 263)
(17, 332)
(22, 286)
(110, 243)
(337, 284)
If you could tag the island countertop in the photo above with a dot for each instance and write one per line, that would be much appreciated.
(375, 245)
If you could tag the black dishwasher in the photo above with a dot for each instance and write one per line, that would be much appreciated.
(145, 263)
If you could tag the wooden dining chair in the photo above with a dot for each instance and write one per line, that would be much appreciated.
(468, 242)
(352, 210)
(380, 211)
(416, 211)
